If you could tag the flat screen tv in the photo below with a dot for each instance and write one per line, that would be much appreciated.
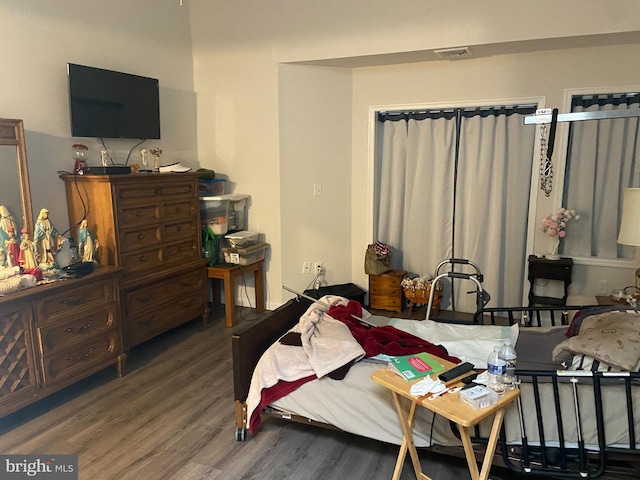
(109, 104)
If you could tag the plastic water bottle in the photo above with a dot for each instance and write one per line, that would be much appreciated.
(496, 368)
(508, 354)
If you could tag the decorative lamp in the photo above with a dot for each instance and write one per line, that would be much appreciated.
(630, 223)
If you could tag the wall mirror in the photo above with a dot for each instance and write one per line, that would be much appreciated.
(15, 192)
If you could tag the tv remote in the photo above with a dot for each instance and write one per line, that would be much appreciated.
(455, 372)
(469, 378)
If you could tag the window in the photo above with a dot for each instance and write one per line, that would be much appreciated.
(602, 160)
(455, 183)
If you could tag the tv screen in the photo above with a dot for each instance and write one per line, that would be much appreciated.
(109, 104)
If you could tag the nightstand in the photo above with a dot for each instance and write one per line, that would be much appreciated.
(385, 291)
(544, 269)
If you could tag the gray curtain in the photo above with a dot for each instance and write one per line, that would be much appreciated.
(458, 190)
(602, 160)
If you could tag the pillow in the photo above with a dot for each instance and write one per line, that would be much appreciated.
(470, 343)
(580, 315)
(610, 337)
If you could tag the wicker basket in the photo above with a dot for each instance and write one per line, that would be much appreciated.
(420, 296)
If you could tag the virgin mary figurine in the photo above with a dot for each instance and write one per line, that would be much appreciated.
(46, 240)
(87, 243)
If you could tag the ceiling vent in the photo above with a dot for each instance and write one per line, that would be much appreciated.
(456, 52)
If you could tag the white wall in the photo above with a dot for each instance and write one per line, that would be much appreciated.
(537, 74)
(239, 46)
(219, 64)
(37, 40)
(315, 149)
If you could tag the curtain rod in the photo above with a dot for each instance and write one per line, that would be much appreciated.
(544, 116)
(453, 109)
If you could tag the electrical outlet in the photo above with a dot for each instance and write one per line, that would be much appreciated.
(306, 267)
(318, 267)
(317, 189)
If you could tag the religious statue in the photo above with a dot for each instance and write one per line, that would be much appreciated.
(87, 243)
(27, 258)
(6, 221)
(12, 248)
(46, 240)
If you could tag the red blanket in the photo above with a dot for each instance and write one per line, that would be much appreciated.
(387, 339)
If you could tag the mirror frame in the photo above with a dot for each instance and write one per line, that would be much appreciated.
(12, 133)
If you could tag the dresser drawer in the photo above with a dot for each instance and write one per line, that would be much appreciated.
(181, 252)
(150, 323)
(164, 292)
(141, 237)
(180, 210)
(70, 301)
(391, 279)
(64, 334)
(386, 303)
(142, 260)
(81, 360)
(136, 215)
(384, 291)
(154, 192)
(183, 230)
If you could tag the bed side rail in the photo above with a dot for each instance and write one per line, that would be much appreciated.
(249, 343)
(570, 437)
(528, 316)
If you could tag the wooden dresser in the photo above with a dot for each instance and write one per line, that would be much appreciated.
(56, 334)
(385, 291)
(148, 224)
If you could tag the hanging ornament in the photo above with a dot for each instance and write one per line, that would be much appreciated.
(547, 141)
(546, 166)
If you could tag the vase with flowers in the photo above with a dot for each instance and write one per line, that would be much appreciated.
(554, 225)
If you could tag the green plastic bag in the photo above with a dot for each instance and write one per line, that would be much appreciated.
(210, 246)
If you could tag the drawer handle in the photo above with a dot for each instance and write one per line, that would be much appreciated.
(186, 283)
(140, 236)
(80, 329)
(142, 258)
(82, 358)
(73, 302)
(139, 213)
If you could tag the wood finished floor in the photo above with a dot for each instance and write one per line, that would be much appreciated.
(171, 417)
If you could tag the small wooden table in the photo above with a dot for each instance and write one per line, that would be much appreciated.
(452, 408)
(228, 272)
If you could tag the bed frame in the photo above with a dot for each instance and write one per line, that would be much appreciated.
(558, 461)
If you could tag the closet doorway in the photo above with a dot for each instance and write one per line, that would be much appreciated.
(456, 183)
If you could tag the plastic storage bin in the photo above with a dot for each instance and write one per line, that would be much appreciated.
(478, 397)
(224, 213)
(246, 255)
(213, 186)
(242, 239)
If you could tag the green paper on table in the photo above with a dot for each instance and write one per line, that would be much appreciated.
(415, 366)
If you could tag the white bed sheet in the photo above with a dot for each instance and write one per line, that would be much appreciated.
(359, 405)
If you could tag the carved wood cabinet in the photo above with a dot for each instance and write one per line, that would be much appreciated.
(148, 224)
(56, 334)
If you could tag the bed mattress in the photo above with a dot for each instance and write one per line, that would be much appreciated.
(358, 405)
